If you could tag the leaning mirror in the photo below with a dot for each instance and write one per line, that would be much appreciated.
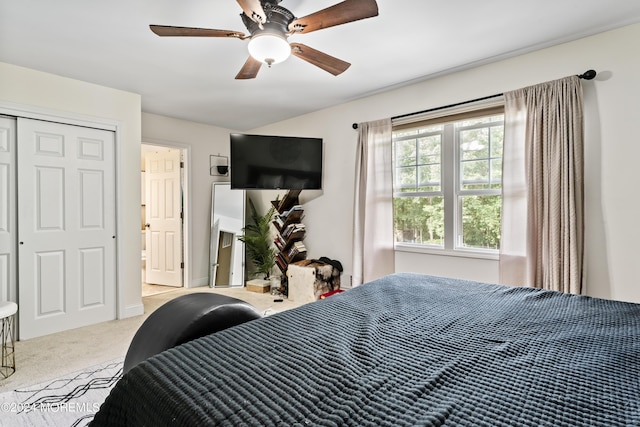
(226, 252)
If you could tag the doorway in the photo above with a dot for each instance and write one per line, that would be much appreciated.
(163, 211)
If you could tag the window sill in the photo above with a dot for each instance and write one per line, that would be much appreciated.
(464, 253)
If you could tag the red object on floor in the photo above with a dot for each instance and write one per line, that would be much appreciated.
(328, 294)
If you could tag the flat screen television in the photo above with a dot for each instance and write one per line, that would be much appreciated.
(275, 162)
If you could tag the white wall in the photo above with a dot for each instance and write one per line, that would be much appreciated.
(30, 90)
(200, 141)
(612, 128)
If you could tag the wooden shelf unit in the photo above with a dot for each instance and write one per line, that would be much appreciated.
(291, 231)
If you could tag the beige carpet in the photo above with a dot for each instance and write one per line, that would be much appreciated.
(44, 358)
(148, 289)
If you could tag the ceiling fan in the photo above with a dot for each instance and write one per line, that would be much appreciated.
(269, 25)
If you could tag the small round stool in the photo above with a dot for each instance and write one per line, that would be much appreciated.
(8, 310)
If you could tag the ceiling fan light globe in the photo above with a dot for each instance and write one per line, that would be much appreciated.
(269, 48)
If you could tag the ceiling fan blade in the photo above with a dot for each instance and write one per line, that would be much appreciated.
(328, 63)
(171, 31)
(253, 9)
(341, 13)
(249, 69)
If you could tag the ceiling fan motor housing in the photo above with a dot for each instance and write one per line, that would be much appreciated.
(277, 22)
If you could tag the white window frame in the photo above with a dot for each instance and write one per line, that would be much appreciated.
(450, 182)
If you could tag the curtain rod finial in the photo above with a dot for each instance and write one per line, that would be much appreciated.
(355, 126)
(588, 75)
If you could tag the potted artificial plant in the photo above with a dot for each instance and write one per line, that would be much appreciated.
(257, 240)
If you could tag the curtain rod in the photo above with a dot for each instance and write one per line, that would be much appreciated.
(587, 75)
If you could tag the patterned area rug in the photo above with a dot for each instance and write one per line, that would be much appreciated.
(71, 400)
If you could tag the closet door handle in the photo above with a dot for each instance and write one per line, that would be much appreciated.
(147, 225)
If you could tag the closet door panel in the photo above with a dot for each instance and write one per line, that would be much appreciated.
(49, 286)
(49, 199)
(66, 204)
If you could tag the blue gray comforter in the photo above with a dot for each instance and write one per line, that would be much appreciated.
(405, 350)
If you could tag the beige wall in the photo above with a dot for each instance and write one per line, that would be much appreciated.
(612, 152)
(26, 90)
(200, 141)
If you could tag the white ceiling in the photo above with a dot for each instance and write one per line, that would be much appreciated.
(109, 43)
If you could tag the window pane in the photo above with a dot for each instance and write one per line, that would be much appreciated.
(429, 149)
(480, 222)
(405, 152)
(497, 137)
(419, 220)
(474, 144)
(405, 179)
(496, 173)
(417, 161)
(475, 175)
(432, 129)
(429, 178)
(403, 133)
(480, 120)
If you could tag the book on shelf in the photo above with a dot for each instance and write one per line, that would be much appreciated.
(281, 221)
(297, 248)
(296, 235)
(289, 200)
(291, 229)
(280, 242)
(295, 209)
(281, 262)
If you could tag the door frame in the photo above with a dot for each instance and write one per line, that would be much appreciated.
(186, 197)
(70, 118)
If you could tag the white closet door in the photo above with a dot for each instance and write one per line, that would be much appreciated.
(66, 227)
(8, 232)
(163, 217)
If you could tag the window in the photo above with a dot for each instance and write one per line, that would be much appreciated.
(448, 181)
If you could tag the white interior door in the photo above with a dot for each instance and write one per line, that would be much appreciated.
(8, 232)
(66, 231)
(163, 218)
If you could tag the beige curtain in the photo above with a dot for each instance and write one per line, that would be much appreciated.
(373, 254)
(542, 217)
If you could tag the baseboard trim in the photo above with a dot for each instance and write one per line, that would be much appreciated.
(131, 311)
(196, 283)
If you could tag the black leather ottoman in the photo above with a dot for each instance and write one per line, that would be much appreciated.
(183, 319)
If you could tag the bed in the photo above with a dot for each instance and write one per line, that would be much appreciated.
(404, 350)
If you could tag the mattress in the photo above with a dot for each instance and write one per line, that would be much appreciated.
(404, 350)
